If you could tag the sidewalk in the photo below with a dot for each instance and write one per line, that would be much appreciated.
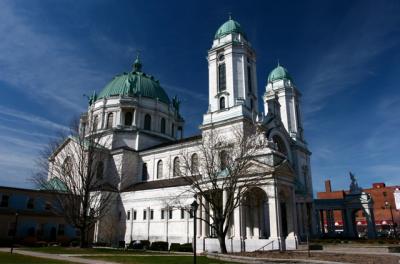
(63, 257)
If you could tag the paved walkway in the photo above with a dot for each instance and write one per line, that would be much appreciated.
(64, 257)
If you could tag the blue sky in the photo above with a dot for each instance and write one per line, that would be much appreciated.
(343, 55)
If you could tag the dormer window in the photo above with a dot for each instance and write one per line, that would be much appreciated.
(222, 103)
(110, 119)
(128, 119)
(221, 77)
(147, 122)
(31, 203)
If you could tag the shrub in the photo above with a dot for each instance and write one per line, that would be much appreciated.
(175, 247)
(75, 243)
(187, 247)
(159, 246)
(29, 241)
(139, 244)
(63, 240)
(41, 244)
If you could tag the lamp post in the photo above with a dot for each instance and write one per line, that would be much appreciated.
(388, 205)
(15, 231)
(194, 206)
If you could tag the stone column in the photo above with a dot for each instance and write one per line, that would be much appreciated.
(135, 117)
(224, 200)
(369, 215)
(275, 224)
(236, 221)
(350, 223)
(248, 222)
(198, 216)
(131, 224)
(256, 221)
(204, 225)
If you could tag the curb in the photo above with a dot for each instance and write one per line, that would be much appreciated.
(241, 259)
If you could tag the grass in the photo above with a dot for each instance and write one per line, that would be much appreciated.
(76, 250)
(21, 259)
(158, 259)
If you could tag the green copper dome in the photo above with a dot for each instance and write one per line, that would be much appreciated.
(229, 27)
(135, 83)
(279, 73)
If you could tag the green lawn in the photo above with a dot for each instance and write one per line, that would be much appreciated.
(158, 259)
(73, 250)
(21, 259)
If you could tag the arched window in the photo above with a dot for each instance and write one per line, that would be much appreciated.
(280, 144)
(177, 167)
(159, 169)
(67, 167)
(223, 159)
(173, 130)
(221, 77)
(249, 78)
(147, 122)
(99, 170)
(128, 119)
(222, 103)
(95, 123)
(251, 104)
(163, 125)
(145, 174)
(110, 119)
(195, 163)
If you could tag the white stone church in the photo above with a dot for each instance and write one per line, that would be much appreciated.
(145, 129)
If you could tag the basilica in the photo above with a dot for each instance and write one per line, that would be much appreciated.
(144, 129)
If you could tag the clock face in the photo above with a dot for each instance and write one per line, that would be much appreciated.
(221, 57)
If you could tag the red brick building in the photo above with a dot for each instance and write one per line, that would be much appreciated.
(384, 206)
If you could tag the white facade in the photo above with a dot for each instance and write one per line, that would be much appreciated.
(277, 212)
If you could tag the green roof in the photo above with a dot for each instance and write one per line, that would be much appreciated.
(279, 73)
(135, 83)
(230, 26)
(54, 184)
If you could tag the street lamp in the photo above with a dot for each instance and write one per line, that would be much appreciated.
(194, 206)
(15, 232)
(388, 205)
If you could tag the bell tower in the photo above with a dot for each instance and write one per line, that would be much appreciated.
(232, 76)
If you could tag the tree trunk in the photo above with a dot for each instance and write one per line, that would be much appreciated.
(222, 244)
(84, 243)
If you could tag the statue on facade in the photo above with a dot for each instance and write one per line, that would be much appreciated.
(354, 188)
(176, 103)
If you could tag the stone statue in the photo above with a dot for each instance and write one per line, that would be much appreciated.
(176, 103)
(354, 188)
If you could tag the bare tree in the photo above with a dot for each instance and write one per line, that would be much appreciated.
(219, 171)
(73, 166)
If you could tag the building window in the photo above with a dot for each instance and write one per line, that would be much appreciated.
(173, 130)
(249, 78)
(195, 163)
(162, 213)
(163, 125)
(95, 123)
(11, 229)
(31, 203)
(151, 214)
(4, 200)
(170, 214)
(47, 206)
(147, 122)
(280, 144)
(128, 119)
(182, 213)
(251, 104)
(61, 230)
(99, 170)
(144, 214)
(221, 77)
(191, 213)
(145, 174)
(110, 119)
(223, 158)
(159, 169)
(384, 194)
(134, 215)
(128, 215)
(222, 103)
(67, 166)
(176, 168)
